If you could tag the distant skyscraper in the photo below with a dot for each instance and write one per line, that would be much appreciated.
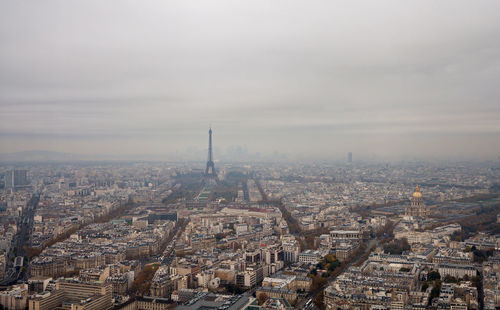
(349, 157)
(16, 178)
(210, 172)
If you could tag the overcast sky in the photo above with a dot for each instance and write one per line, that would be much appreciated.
(306, 78)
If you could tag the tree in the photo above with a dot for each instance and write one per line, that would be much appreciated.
(425, 286)
(318, 301)
(450, 279)
(433, 275)
(329, 263)
(436, 290)
(142, 283)
(318, 282)
(32, 252)
(397, 246)
(476, 281)
(481, 255)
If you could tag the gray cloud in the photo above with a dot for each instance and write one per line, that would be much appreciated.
(315, 79)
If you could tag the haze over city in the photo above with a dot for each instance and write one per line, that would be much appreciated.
(384, 79)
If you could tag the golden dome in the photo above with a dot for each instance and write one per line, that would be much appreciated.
(417, 193)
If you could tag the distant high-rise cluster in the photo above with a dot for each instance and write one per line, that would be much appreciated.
(16, 179)
(349, 157)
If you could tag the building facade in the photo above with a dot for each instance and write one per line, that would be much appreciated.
(417, 207)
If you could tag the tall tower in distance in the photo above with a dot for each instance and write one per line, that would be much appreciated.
(349, 157)
(210, 170)
(16, 179)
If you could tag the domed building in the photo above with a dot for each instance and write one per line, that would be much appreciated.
(417, 207)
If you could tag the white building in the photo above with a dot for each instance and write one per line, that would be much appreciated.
(309, 256)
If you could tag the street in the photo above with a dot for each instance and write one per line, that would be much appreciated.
(20, 245)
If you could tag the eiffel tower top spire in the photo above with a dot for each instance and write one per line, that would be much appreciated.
(210, 154)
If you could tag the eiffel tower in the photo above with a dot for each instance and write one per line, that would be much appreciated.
(210, 172)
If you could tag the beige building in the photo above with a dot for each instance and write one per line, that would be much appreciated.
(148, 303)
(94, 274)
(75, 295)
(457, 271)
(15, 297)
(47, 267)
(272, 292)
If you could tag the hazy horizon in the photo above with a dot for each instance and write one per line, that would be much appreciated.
(299, 79)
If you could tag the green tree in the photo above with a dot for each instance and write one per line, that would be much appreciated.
(425, 286)
(436, 290)
(433, 275)
(450, 279)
